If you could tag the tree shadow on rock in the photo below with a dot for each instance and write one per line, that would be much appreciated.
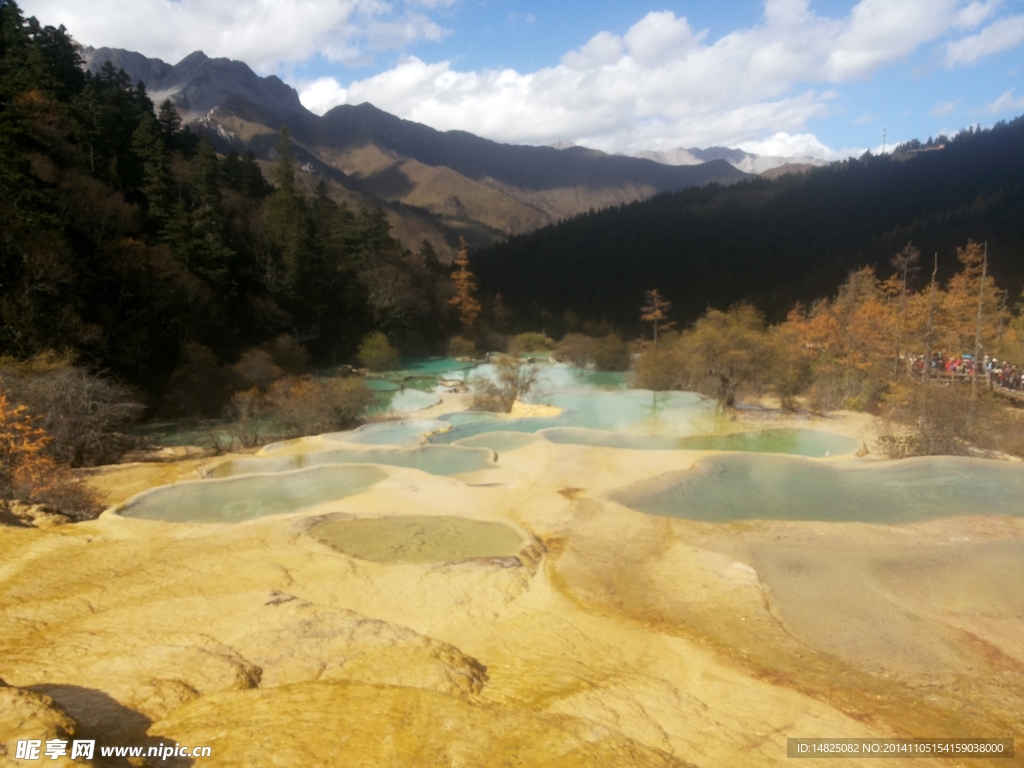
(111, 724)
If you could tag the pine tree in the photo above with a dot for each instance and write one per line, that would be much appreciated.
(157, 181)
(169, 121)
(285, 216)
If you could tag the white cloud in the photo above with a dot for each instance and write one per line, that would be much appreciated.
(881, 32)
(660, 37)
(784, 144)
(320, 95)
(603, 48)
(944, 108)
(998, 36)
(1006, 103)
(975, 13)
(266, 34)
(660, 85)
(433, 3)
(663, 85)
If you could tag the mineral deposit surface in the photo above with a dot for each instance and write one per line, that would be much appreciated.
(589, 634)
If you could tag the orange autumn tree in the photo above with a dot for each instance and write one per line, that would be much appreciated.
(24, 467)
(28, 473)
(465, 300)
(655, 311)
(972, 310)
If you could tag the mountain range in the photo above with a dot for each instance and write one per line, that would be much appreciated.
(434, 185)
(776, 242)
(744, 161)
(771, 165)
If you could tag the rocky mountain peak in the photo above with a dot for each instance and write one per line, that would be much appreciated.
(198, 84)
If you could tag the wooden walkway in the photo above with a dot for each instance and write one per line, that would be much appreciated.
(1014, 395)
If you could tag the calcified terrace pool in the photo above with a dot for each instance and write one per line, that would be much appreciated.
(733, 487)
(234, 499)
(770, 473)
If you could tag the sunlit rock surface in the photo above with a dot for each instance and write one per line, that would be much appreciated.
(514, 615)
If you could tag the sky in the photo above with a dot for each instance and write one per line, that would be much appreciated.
(776, 77)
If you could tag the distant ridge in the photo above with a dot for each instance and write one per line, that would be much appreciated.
(775, 242)
(463, 184)
(744, 161)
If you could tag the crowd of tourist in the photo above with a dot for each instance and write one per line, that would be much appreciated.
(1002, 374)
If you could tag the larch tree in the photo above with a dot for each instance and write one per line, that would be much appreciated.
(655, 311)
(465, 300)
(905, 263)
(973, 306)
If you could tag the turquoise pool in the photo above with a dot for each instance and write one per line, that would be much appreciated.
(243, 498)
(435, 459)
(766, 487)
(799, 442)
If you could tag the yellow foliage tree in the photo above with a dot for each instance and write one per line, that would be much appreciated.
(655, 311)
(23, 463)
(972, 309)
(28, 473)
(465, 300)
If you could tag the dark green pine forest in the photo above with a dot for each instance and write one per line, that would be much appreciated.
(126, 240)
(773, 243)
(129, 243)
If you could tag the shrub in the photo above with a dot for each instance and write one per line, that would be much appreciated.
(377, 353)
(29, 474)
(247, 410)
(947, 419)
(460, 347)
(198, 386)
(610, 353)
(574, 348)
(525, 343)
(82, 413)
(513, 381)
(256, 368)
(659, 368)
(287, 353)
(307, 406)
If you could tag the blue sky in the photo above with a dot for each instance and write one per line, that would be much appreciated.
(818, 77)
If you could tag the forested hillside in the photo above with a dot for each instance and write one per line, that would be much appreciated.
(774, 242)
(127, 241)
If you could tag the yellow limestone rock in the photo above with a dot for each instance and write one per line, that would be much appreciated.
(613, 638)
(367, 726)
(521, 410)
(31, 715)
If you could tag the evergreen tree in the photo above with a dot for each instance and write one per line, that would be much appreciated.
(285, 218)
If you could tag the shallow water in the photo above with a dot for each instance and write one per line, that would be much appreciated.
(799, 442)
(406, 432)
(555, 377)
(467, 417)
(409, 400)
(434, 366)
(767, 487)
(244, 498)
(628, 411)
(435, 459)
(418, 538)
(475, 428)
(499, 442)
